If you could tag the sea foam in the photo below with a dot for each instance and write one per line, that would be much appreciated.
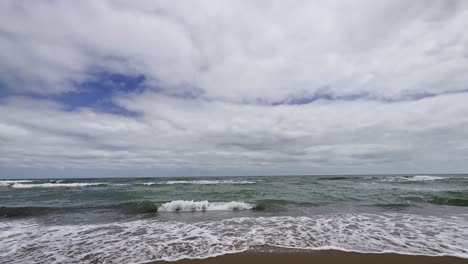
(193, 206)
(11, 182)
(55, 185)
(199, 182)
(415, 178)
(148, 240)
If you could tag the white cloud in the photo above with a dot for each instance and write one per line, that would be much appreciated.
(243, 50)
(237, 53)
(193, 133)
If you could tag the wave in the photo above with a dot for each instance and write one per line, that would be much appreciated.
(268, 203)
(5, 183)
(338, 178)
(136, 207)
(425, 178)
(393, 206)
(149, 240)
(415, 178)
(55, 185)
(194, 206)
(449, 201)
(199, 182)
(14, 212)
(141, 207)
(56, 181)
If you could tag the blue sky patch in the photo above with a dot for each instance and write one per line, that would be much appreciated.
(97, 92)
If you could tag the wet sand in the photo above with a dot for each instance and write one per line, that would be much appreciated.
(321, 257)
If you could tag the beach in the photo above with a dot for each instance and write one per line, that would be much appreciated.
(321, 256)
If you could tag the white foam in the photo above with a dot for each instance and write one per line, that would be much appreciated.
(56, 181)
(200, 182)
(54, 185)
(11, 182)
(416, 178)
(184, 206)
(148, 240)
(425, 178)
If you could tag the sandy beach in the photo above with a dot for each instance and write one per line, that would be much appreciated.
(322, 257)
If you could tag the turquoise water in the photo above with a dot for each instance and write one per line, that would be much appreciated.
(143, 219)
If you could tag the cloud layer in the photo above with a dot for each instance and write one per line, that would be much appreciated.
(245, 84)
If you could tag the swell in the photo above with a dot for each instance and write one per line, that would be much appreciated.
(13, 212)
(450, 198)
(393, 206)
(448, 201)
(272, 203)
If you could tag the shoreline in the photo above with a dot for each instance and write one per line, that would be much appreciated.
(317, 256)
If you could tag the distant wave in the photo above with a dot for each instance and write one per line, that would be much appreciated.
(194, 206)
(55, 185)
(338, 178)
(199, 182)
(425, 178)
(11, 182)
(416, 178)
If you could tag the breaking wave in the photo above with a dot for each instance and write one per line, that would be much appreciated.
(416, 178)
(199, 182)
(195, 206)
(56, 184)
(5, 183)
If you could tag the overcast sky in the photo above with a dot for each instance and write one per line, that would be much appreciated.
(154, 88)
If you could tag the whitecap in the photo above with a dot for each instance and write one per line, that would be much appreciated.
(199, 182)
(415, 178)
(192, 206)
(54, 185)
(11, 182)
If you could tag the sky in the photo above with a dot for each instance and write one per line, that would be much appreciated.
(180, 88)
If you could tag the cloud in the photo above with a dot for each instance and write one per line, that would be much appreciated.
(181, 133)
(244, 84)
(241, 51)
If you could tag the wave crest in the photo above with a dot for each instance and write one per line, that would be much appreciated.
(6, 183)
(199, 182)
(194, 206)
(52, 185)
(416, 178)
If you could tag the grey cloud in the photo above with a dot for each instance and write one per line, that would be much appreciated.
(240, 51)
(326, 134)
(212, 62)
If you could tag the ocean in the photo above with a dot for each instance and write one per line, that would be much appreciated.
(136, 220)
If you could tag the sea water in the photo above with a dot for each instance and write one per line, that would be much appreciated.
(134, 220)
